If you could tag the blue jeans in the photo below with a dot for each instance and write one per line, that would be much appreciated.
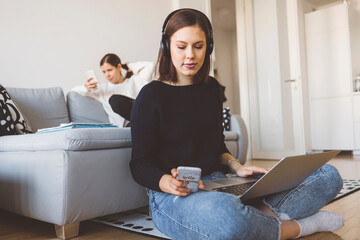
(216, 215)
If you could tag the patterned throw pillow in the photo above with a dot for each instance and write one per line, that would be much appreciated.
(7, 126)
(21, 126)
(226, 119)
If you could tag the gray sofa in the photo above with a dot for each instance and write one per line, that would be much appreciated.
(70, 176)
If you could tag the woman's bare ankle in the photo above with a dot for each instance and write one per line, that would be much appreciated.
(289, 230)
(265, 209)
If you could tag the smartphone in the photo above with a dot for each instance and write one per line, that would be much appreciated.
(91, 73)
(191, 176)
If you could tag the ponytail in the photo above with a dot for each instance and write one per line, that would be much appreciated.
(129, 73)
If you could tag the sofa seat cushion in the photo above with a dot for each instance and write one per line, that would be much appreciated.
(71, 140)
(75, 140)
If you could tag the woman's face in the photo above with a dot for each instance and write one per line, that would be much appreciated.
(111, 73)
(188, 48)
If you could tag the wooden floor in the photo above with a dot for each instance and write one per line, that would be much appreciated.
(348, 206)
(16, 227)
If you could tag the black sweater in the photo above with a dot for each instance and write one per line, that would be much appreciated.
(175, 126)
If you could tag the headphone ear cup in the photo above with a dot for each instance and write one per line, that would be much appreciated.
(162, 46)
(167, 44)
(210, 46)
(165, 47)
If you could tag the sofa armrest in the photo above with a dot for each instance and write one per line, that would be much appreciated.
(238, 126)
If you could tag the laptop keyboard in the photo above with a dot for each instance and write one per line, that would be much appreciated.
(238, 189)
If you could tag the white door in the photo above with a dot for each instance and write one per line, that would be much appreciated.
(329, 53)
(275, 111)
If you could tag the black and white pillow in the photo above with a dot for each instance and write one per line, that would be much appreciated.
(7, 126)
(18, 119)
(226, 119)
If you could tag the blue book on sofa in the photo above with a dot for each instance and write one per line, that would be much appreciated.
(72, 125)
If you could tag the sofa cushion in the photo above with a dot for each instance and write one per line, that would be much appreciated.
(81, 139)
(84, 109)
(226, 119)
(42, 107)
(7, 126)
(21, 125)
(72, 140)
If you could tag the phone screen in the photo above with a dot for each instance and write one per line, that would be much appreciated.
(91, 73)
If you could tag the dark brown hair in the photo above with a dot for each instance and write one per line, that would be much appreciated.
(114, 60)
(184, 18)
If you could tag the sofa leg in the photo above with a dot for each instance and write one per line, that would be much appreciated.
(67, 231)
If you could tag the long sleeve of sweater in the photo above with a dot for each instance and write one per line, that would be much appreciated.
(144, 69)
(145, 128)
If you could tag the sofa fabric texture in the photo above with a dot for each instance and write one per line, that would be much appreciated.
(79, 114)
(62, 187)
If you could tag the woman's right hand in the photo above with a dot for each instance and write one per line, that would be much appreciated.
(168, 183)
(90, 85)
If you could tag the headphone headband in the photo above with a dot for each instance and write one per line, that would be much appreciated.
(165, 43)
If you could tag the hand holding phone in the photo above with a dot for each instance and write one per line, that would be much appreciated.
(91, 74)
(93, 84)
(190, 175)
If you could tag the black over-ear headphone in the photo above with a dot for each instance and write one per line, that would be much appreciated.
(165, 42)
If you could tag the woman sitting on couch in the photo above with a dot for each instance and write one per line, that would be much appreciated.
(124, 84)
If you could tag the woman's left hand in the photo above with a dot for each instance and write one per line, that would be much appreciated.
(245, 171)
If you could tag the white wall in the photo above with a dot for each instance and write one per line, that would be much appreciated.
(47, 43)
(201, 5)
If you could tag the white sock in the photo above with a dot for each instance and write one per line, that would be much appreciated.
(321, 221)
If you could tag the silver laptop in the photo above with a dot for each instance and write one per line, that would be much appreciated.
(288, 173)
